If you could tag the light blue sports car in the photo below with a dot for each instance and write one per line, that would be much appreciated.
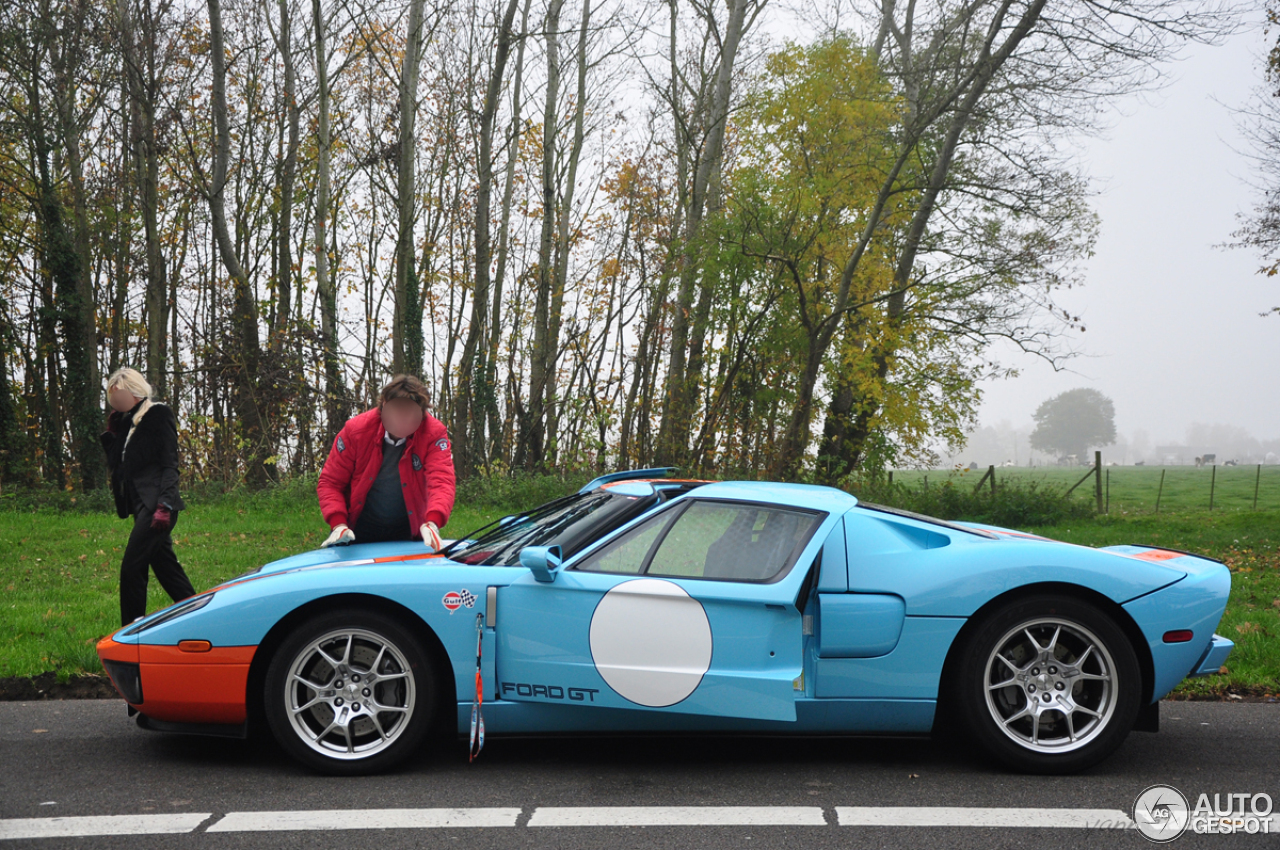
(644, 603)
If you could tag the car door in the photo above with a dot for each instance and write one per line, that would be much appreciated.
(690, 610)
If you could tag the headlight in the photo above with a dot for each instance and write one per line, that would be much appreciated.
(184, 607)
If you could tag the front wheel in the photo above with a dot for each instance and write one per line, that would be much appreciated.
(1049, 685)
(350, 692)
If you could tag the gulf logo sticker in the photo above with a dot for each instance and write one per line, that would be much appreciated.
(453, 600)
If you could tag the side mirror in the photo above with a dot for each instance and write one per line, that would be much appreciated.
(542, 561)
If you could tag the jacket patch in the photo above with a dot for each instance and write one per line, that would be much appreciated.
(417, 463)
(442, 444)
(342, 447)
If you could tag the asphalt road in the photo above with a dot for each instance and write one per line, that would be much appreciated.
(87, 760)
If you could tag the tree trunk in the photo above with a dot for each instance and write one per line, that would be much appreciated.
(244, 312)
(556, 315)
(680, 397)
(76, 310)
(406, 336)
(142, 86)
(335, 393)
(288, 172)
(498, 431)
(469, 416)
(123, 270)
(529, 453)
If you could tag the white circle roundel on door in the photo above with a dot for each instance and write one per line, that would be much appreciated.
(651, 641)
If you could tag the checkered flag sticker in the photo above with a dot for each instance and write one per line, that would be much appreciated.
(468, 598)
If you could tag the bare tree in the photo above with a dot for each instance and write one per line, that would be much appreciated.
(469, 418)
(688, 327)
(407, 324)
(336, 408)
(248, 352)
(282, 312)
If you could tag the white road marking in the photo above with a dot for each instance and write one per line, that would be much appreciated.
(972, 816)
(327, 819)
(677, 816)
(565, 816)
(78, 827)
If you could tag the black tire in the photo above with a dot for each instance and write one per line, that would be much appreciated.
(1071, 697)
(339, 721)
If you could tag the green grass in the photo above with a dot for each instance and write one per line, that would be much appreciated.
(60, 571)
(1134, 488)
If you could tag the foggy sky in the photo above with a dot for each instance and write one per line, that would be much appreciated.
(1173, 332)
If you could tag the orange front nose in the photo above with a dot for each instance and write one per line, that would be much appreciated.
(120, 661)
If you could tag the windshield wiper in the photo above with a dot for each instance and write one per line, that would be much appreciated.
(532, 534)
(487, 532)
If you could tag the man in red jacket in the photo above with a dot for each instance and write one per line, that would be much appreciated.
(389, 475)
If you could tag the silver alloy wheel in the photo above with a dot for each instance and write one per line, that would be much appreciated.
(1050, 685)
(349, 694)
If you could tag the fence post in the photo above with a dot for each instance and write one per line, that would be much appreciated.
(1097, 479)
(1213, 478)
(1083, 479)
(1257, 479)
(992, 470)
(1160, 490)
(891, 478)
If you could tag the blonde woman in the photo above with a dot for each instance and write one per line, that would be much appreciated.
(141, 442)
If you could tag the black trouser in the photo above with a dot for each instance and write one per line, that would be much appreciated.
(149, 548)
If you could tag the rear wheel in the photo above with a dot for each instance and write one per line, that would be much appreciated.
(350, 692)
(1049, 685)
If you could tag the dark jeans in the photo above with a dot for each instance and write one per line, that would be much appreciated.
(149, 548)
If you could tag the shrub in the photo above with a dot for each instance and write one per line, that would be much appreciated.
(1014, 503)
(517, 490)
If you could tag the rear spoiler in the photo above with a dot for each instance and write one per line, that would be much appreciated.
(630, 475)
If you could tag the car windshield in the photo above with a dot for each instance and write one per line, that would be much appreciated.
(570, 523)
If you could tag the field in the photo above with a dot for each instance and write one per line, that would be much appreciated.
(1134, 489)
(60, 571)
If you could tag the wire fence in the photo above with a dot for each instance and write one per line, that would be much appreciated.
(1124, 489)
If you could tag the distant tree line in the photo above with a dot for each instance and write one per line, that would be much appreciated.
(607, 233)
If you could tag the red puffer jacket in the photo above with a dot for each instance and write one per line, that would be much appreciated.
(426, 471)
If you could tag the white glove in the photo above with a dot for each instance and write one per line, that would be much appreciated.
(340, 536)
(431, 537)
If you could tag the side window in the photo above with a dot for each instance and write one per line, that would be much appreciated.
(738, 542)
(627, 553)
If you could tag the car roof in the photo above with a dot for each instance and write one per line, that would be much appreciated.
(809, 496)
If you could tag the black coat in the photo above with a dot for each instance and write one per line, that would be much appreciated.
(145, 468)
